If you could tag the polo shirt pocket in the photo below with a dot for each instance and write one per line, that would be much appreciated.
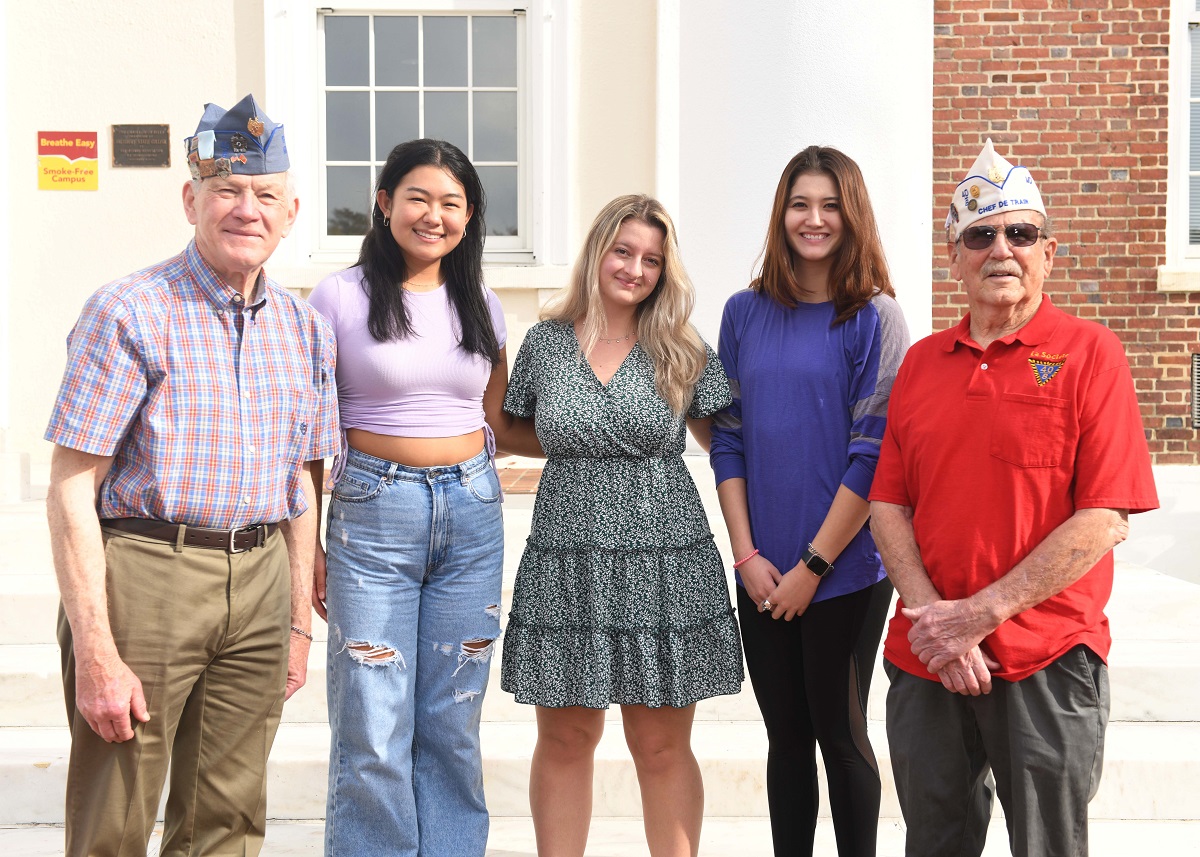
(1030, 431)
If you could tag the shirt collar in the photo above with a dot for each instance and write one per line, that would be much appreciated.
(216, 290)
(1036, 331)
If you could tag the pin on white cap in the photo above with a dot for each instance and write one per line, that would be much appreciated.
(992, 185)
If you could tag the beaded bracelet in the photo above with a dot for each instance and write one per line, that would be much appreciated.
(746, 558)
(302, 633)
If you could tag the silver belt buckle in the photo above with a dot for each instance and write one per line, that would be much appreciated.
(259, 528)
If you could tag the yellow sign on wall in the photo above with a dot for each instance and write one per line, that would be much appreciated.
(68, 160)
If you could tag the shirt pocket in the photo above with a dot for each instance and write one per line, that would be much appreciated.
(1030, 431)
(288, 412)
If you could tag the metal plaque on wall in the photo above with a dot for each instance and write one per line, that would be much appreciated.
(141, 145)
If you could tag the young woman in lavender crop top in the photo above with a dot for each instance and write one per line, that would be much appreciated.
(411, 582)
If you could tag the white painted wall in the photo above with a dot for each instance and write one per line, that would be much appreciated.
(84, 66)
(703, 102)
(759, 82)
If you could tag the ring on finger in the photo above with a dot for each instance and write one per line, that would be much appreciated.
(766, 605)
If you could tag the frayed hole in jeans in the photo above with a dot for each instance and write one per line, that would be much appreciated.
(474, 652)
(374, 655)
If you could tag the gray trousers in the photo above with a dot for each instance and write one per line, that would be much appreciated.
(1041, 738)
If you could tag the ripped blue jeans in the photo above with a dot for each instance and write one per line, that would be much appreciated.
(415, 558)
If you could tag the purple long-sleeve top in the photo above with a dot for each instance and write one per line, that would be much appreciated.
(808, 414)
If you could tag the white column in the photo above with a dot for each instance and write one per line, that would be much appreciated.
(667, 89)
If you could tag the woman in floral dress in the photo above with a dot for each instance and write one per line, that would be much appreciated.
(621, 596)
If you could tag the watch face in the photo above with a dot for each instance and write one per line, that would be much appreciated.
(815, 564)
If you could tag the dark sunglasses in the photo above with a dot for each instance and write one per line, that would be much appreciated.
(1016, 234)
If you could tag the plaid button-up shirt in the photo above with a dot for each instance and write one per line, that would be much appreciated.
(208, 406)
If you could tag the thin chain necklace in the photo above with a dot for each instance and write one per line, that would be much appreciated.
(619, 339)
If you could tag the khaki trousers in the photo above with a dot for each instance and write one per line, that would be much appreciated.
(207, 634)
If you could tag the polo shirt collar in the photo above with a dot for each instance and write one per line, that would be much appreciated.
(216, 290)
(1036, 331)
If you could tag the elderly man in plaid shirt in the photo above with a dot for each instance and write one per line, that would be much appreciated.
(182, 515)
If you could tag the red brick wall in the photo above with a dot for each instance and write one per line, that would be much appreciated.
(1076, 90)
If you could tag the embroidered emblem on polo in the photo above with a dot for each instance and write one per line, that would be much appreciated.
(1046, 366)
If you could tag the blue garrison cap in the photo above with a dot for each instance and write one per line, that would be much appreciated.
(240, 140)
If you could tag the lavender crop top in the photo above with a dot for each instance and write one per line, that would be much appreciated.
(424, 385)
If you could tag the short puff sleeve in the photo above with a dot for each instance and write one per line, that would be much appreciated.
(712, 390)
(521, 398)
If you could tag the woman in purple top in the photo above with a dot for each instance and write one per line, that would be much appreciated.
(415, 539)
(811, 349)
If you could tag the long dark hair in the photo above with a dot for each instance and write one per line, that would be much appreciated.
(384, 271)
(860, 269)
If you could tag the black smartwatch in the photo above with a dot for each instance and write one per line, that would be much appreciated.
(816, 563)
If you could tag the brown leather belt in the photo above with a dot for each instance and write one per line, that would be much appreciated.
(237, 540)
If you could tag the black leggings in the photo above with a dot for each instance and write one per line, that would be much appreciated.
(811, 677)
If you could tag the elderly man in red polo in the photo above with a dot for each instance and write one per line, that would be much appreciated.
(1013, 456)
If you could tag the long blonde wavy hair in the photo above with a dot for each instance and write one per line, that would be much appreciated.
(663, 328)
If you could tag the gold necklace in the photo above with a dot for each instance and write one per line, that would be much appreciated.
(619, 339)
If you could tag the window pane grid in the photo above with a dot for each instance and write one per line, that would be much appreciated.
(1193, 155)
(506, 203)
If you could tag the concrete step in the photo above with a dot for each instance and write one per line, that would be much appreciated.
(31, 693)
(1151, 680)
(625, 837)
(1149, 769)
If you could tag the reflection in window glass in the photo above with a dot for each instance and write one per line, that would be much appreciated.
(348, 199)
(446, 118)
(395, 50)
(1194, 137)
(1194, 39)
(347, 126)
(500, 186)
(445, 51)
(1194, 214)
(493, 51)
(397, 119)
(346, 51)
(495, 126)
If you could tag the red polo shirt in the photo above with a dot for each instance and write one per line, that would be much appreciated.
(993, 449)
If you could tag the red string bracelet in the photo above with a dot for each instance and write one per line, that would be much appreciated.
(746, 558)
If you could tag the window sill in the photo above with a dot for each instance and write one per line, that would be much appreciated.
(1179, 278)
(303, 278)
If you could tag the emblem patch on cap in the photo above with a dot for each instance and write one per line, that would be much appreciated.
(255, 126)
(1046, 366)
(975, 191)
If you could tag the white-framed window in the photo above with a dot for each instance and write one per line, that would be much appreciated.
(348, 83)
(1192, 107)
(1181, 271)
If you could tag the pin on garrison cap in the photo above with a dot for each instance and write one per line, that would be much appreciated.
(241, 140)
(992, 186)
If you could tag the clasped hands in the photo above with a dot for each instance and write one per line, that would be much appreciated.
(945, 635)
(787, 594)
